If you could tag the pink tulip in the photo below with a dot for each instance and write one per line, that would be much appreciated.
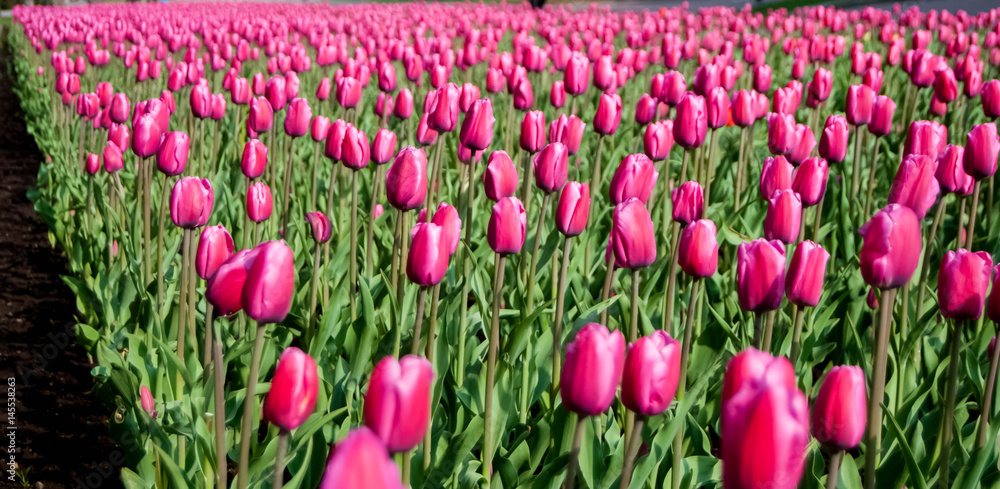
(500, 177)
(833, 143)
(915, 184)
(658, 140)
(427, 261)
(981, 149)
(691, 121)
(760, 275)
(882, 112)
(574, 209)
(840, 411)
(477, 128)
(780, 133)
(215, 246)
(172, 156)
(259, 202)
(963, 280)
(698, 249)
(360, 460)
(925, 138)
(951, 171)
(191, 202)
(635, 178)
(294, 389)
(398, 401)
(506, 230)
(651, 374)
(891, 249)
(254, 159)
(592, 370)
(784, 216)
(532, 137)
(809, 180)
(551, 167)
(609, 114)
(406, 179)
(270, 281)
(804, 281)
(298, 118)
(633, 236)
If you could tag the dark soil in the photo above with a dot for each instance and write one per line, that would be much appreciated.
(61, 429)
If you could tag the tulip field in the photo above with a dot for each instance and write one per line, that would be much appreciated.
(483, 245)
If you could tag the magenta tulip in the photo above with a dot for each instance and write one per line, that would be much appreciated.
(427, 261)
(574, 209)
(760, 275)
(804, 280)
(360, 460)
(294, 388)
(215, 246)
(191, 202)
(398, 401)
(320, 225)
(635, 178)
(506, 230)
(592, 370)
(651, 374)
(477, 128)
(406, 179)
(500, 177)
(981, 149)
(259, 202)
(270, 282)
(633, 236)
(915, 184)
(698, 249)
(891, 250)
(840, 410)
(688, 202)
(691, 121)
(172, 157)
(963, 279)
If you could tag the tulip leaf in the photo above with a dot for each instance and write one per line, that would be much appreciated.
(911, 463)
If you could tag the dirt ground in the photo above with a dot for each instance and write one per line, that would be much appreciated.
(60, 429)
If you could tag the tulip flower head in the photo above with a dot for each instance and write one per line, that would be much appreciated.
(592, 370)
(294, 388)
(574, 209)
(698, 249)
(406, 179)
(360, 460)
(891, 249)
(191, 202)
(270, 281)
(760, 275)
(398, 401)
(840, 411)
(651, 374)
(215, 246)
(506, 230)
(963, 280)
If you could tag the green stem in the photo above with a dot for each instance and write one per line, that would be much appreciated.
(557, 329)
(219, 416)
(871, 179)
(530, 300)
(856, 162)
(710, 168)
(487, 455)
(668, 298)
(874, 438)
(738, 184)
(429, 353)
(971, 231)
(609, 278)
(279, 459)
(799, 315)
(574, 454)
(466, 266)
(768, 331)
(249, 407)
(633, 449)
(984, 418)
(833, 471)
(313, 289)
(370, 247)
(595, 177)
(951, 394)
(354, 245)
(418, 321)
(162, 217)
(678, 446)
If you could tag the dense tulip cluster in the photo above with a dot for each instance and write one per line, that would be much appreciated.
(496, 190)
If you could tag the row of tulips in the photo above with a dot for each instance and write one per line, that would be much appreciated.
(295, 273)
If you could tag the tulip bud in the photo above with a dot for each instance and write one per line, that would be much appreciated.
(270, 282)
(259, 202)
(443, 110)
(451, 227)
(963, 280)
(651, 374)
(804, 144)
(360, 460)
(427, 261)
(172, 156)
(319, 128)
(261, 116)
(592, 370)
(951, 171)
(780, 133)
(298, 117)
(891, 249)
(945, 85)
(191, 202)
(810, 179)
(633, 235)
(323, 90)
(990, 95)
(645, 110)
(776, 174)
(294, 388)
(658, 140)
(506, 230)
(860, 99)
(635, 178)
(764, 415)
(784, 216)
(698, 250)
(567, 130)
(355, 151)
(215, 246)
(833, 143)
(551, 167)
(840, 411)
(147, 401)
(577, 74)
(609, 114)
(254, 159)
(218, 107)
(760, 275)
(112, 158)
(688, 202)
(691, 121)
(574, 209)
(915, 184)
(120, 108)
(925, 138)
(477, 128)
(804, 282)
(500, 177)
(981, 149)
(742, 107)
(348, 92)
(406, 179)
(425, 135)
(92, 164)
(762, 78)
(398, 402)
(752, 366)
(403, 108)
(882, 112)
(532, 137)
(146, 136)
(225, 286)
(872, 299)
